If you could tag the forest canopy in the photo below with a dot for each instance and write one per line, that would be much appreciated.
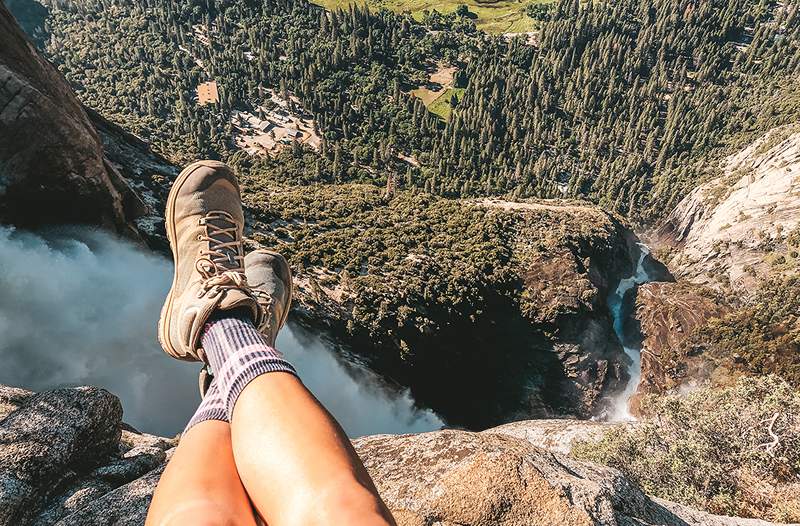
(626, 104)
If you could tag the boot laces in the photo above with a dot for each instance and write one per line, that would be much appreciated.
(265, 300)
(221, 265)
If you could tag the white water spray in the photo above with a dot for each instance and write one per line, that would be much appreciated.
(80, 307)
(620, 409)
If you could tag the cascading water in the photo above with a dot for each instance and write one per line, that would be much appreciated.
(620, 311)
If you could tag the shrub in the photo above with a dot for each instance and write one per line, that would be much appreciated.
(733, 450)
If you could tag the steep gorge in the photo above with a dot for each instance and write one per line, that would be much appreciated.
(489, 311)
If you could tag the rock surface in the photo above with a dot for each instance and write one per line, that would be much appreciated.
(66, 453)
(721, 233)
(52, 165)
(485, 479)
(66, 459)
(668, 315)
(555, 434)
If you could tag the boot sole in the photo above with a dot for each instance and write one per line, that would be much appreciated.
(169, 225)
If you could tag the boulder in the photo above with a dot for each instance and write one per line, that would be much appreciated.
(451, 478)
(50, 437)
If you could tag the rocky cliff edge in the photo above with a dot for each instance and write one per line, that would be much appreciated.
(67, 459)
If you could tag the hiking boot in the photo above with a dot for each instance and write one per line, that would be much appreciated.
(204, 223)
(270, 280)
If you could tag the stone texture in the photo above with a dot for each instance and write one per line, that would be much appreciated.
(668, 315)
(11, 398)
(66, 459)
(125, 505)
(52, 165)
(449, 478)
(721, 232)
(556, 435)
(51, 436)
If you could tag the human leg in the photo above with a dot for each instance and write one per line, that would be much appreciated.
(295, 462)
(210, 315)
(200, 485)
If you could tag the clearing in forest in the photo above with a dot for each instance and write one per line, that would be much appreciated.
(443, 105)
(492, 16)
(275, 125)
(439, 91)
(439, 81)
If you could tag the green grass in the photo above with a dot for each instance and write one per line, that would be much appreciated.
(494, 16)
(441, 105)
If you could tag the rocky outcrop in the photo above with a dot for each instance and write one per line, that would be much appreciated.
(723, 233)
(52, 165)
(487, 479)
(668, 315)
(565, 287)
(66, 452)
(148, 174)
(722, 242)
(565, 283)
(489, 310)
(555, 434)
(66, 459)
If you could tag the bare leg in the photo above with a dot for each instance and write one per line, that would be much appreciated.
(298, 466)
(200, 485)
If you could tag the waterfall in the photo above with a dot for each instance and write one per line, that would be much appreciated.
(620, 311)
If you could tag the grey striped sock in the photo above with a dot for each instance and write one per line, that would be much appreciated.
(211, 408)
(238, 354)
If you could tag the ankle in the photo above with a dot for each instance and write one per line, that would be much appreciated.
(240, 313)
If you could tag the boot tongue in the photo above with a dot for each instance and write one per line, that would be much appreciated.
(238, 299)
(229, 262)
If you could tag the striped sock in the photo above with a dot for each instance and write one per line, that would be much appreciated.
(211, 408)
(238, 354)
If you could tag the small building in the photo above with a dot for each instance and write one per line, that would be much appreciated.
(207, 93)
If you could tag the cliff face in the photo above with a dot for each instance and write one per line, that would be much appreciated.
(567, 272)
(668, 315)
(68, 460)
(725, 241)
(723, 233)
(52, 165)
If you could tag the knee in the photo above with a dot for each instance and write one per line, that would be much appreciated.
(203, 512)
(350, 503)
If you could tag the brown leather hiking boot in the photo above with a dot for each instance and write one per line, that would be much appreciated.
(204, 223)
(270, 280)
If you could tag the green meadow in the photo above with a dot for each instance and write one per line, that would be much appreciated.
(500, 16)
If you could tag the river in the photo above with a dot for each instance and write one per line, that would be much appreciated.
(621, 309)
(80, 307)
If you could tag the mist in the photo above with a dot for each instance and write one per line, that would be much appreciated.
(80, 307)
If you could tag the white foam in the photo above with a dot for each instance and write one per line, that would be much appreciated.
(620, 408)
(79, 306)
